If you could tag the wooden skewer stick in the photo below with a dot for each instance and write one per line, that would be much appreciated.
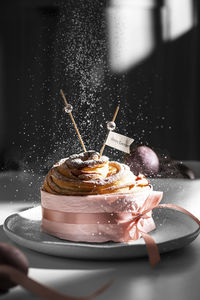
(115, 114)
(113, 120)
(73, 121)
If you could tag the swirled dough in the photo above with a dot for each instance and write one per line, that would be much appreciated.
(89, 174)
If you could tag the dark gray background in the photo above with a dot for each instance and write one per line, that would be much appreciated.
(48, 45)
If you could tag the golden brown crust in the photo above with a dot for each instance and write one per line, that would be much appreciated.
(80, 175)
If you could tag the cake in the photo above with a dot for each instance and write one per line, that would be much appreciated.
(87, 198)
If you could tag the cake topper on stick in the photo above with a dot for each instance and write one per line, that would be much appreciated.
(110, 126)
(68, 108)
(116, 140)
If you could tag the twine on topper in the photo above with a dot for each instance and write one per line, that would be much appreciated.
(68, 109)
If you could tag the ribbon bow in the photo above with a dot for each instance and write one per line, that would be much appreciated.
(133, 228)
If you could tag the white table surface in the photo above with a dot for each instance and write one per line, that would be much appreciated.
(176, 277)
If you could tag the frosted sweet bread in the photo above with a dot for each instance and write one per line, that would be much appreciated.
(88, 174)
(88, 198)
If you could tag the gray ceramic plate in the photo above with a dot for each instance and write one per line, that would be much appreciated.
(174, 230)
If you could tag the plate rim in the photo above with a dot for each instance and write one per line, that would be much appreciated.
(106, 245)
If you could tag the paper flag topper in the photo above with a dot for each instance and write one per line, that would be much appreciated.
(119, 141)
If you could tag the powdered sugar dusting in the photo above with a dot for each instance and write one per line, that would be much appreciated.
(75, 178)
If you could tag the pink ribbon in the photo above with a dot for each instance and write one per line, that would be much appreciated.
(81, 218)
(47, 293)
(132, 229)
(136, 223)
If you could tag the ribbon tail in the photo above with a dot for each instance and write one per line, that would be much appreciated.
(40, 290)
(179, 208)
(152, 249)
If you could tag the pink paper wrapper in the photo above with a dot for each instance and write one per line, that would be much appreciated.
(93, 218)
